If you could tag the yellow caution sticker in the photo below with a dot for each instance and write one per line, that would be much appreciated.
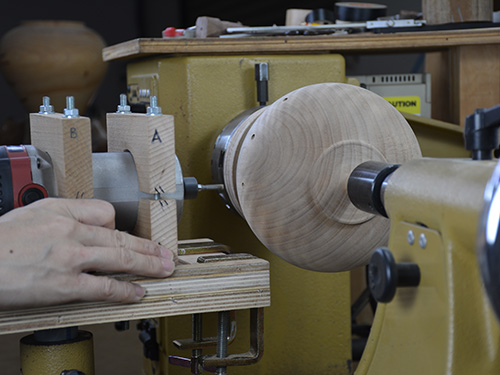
(408, 104)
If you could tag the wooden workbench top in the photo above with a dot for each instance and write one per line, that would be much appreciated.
(364, 42)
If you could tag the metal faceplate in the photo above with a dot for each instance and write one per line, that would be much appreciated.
(488, 241)
(219, 153)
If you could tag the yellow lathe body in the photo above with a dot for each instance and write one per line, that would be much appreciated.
(307, 328)
(445, 325)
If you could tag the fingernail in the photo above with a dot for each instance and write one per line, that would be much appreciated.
(139, 292)
(167, 254)
(168, 265)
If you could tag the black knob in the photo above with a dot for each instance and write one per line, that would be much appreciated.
(385, 275)
(31, 195)
(122, 326)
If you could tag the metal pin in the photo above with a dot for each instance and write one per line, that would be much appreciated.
(216, 187)
(70, 110)
(123, 107)
(153, 109)
(46, 108)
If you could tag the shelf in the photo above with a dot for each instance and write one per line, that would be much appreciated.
(353, 43)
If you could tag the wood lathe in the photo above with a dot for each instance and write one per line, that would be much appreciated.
(313, 174)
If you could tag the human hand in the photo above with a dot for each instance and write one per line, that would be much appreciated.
(48, 248)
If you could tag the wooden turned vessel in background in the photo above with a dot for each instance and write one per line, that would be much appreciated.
(55, 59)
(286, 170)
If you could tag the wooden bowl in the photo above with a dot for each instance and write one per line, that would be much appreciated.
(286, 172)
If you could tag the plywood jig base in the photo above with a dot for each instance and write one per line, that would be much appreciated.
(193, 288)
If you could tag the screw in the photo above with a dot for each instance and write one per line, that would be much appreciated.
(422, 241)
(70, 110)
(410, 237)
(153, 109)
(123, 107)
(46, 108)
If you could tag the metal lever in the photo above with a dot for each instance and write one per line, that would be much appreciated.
(262, 78)
(481, 132)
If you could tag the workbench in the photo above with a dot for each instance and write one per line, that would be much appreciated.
(464, 64)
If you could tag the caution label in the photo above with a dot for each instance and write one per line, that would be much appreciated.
(408, 104)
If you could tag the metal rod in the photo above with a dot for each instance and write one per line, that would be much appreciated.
(223, 327)
(197, 337)
(216, 187)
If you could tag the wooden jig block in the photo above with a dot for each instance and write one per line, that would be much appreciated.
(68, 142)
(150, 140)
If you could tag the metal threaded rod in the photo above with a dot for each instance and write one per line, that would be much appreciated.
(70, 110)
(223, 327)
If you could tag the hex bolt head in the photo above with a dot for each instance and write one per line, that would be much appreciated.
(123, 107)
(46, 108)
(153, 109)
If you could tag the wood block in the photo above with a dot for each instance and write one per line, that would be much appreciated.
(295, 17)
(150, 140)
(475, 80)
(438, 65)
(213, 27)
(444, 11)
(68, 142)
(193, 288)
(157, 220)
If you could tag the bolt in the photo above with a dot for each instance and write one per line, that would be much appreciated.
(70, 110)
(46, 108)
(422, 241)
(153, 109)
(123, 107)
(410, 237)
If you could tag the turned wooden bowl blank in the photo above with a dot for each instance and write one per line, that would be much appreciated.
(287, 167)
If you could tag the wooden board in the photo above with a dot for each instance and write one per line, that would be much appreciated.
(445, 11)
(193, 288)
(356, 43)
(150, 140)
(293, 164)
(475, 80)
(68, 142)
(438, 65)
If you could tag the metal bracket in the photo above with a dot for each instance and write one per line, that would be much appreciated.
(255, 352)
(206, 342)
(203, 248)
(224, 257)
(209, 363)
